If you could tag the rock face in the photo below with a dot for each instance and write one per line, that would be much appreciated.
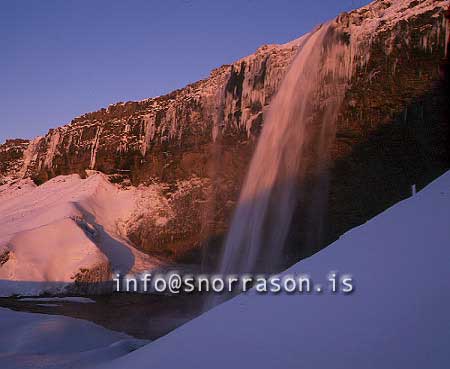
(197, 141)
(394, 129)
(11, 159)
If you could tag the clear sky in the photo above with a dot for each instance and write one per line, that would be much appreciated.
(62, 58)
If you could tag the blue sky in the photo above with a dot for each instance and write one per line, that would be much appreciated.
(60, 59)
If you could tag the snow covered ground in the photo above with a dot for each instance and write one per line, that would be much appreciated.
(51, 233)
(398, 316)
(46, 341)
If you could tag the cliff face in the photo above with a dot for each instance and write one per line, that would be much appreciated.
(11, 158)
(151, 137)
(198, 140)
(394, 130)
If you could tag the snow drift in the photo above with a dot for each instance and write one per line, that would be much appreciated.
(69, 230)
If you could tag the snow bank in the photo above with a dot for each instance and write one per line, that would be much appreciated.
(52, 254)
(46, 341)
(15, 188)
(69, 229)
(396, 318)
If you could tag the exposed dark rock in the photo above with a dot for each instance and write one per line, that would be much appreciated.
(11, 157)
(4, 257)
(94, 281)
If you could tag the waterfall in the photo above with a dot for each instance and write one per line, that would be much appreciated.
(298, 130)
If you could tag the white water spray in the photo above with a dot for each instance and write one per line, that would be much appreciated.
(308, 101)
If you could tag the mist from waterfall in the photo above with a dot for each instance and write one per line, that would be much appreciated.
(303, 112)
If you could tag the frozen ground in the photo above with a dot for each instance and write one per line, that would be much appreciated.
(396, 318)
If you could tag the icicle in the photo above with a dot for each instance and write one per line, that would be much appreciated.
(30, 155)
(51, 149)
(94, 147)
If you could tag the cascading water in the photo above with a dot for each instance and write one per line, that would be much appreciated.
(303, 111)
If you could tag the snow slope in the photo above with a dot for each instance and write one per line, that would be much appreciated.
(46, 341)
(398, 316)
(52, 233)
